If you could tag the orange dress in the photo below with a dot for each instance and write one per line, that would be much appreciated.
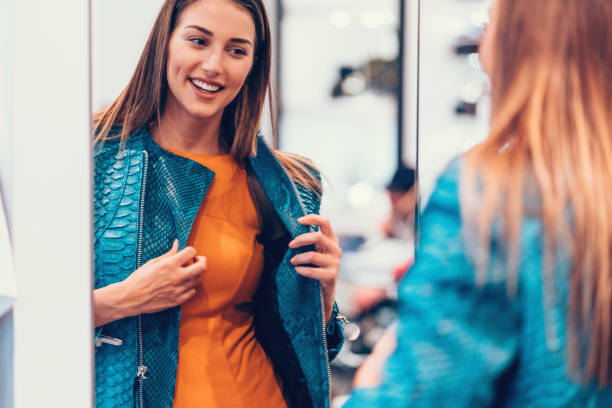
(220, 363)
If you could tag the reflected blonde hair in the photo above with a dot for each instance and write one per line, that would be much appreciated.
(551, 126)
(142, 101)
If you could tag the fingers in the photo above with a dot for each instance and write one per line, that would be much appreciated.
(173, 250)
(327, 257)
(317, 238)
(316, 258)
(191, 283)
(184, 256)
(321, 222)
(195, 269)
(320, 274)
(326, 266)
(186, 296)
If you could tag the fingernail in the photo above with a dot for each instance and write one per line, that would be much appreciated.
(291, 244)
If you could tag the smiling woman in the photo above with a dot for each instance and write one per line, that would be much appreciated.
(208, 263)
(210, 54)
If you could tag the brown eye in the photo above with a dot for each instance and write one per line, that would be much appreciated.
(198, 41)
(238, 52)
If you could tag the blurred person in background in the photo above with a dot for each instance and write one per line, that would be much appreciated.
(179, 165)
(402, 193)
(509, 302)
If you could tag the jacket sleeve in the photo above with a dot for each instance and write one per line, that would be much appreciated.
(455, 339)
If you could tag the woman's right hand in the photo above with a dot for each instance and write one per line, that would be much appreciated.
(161, 283)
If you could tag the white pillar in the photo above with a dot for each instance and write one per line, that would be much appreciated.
(6, 319)
(51, 217)
(5, 103)
(411, 81)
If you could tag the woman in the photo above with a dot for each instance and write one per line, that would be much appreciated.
(178, 164)
(509, 301)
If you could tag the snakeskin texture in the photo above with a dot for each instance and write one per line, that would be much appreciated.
(117, 194)
(464, 345)
(298, 297)
(175, 188)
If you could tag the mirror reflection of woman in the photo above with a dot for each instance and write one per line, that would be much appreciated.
(214, 275)
(509, 303)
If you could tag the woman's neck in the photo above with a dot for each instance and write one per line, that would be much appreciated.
(180, 131)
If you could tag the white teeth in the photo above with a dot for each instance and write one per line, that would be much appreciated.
(205, 87)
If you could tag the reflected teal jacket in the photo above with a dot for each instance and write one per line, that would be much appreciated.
(463, 345)
(144, 198)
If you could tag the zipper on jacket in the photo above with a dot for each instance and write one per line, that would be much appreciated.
(142, 369)
(323, 325)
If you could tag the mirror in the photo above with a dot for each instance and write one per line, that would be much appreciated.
(340, 70)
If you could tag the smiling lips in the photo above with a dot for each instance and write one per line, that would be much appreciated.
(205, 86)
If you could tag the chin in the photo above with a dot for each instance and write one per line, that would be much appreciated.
(203, 113)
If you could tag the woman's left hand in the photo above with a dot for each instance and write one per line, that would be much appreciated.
(326, 257)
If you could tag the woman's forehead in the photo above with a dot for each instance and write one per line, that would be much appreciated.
(223, 18)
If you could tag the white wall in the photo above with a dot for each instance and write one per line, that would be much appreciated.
(51, 204)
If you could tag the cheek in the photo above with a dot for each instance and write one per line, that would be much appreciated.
(174, 68)
(239, 74)
(178, 61)
(171, 71)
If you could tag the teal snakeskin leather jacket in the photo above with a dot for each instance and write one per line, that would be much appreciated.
(144, 198)
(462, 345)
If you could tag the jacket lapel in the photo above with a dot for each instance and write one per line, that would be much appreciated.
(181, 185)
(280, 190)
(298, 297)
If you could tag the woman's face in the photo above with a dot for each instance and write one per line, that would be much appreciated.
(210, 55)
(486, 42)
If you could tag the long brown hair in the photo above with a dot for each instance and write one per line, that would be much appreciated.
(142, 101)
(551, 127)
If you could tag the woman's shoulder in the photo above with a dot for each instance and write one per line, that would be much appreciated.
(300, 170)
(267, 152)
(298, 161)
(113, 147)
(114, 158)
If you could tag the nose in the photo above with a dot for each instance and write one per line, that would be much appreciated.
(212, 62)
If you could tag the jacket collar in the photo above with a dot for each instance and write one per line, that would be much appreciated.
(279, 188)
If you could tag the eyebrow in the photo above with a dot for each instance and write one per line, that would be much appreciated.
(208, 32)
